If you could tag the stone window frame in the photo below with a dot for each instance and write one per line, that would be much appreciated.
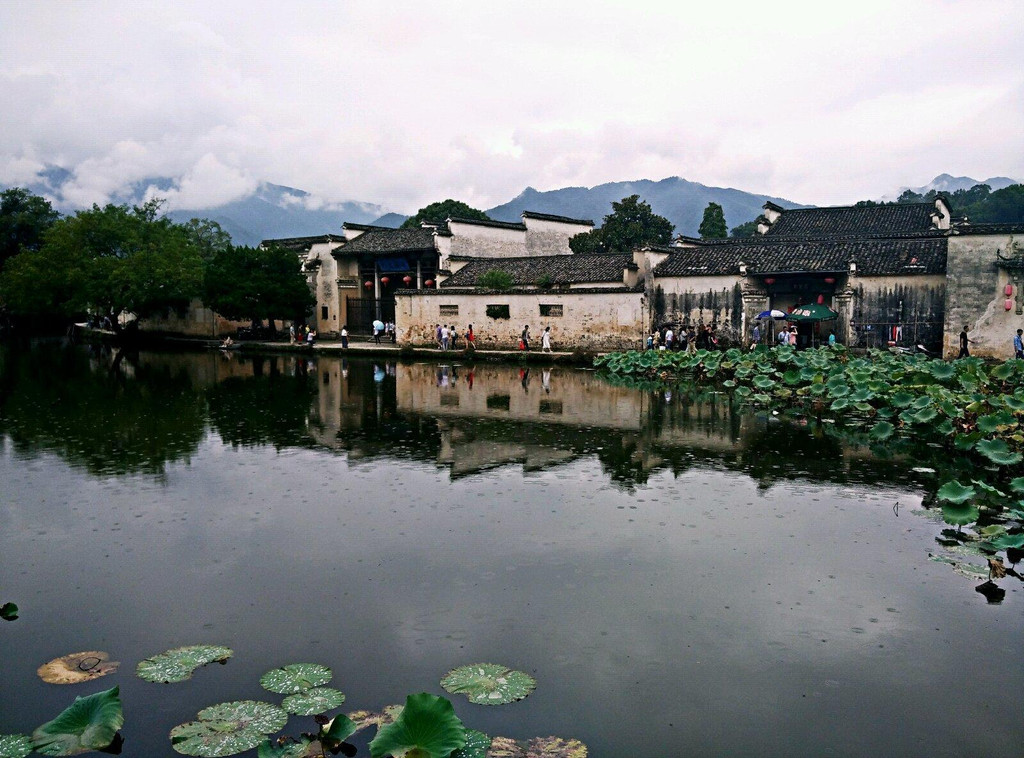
(448, 309)
(498, 311)
(552, 310)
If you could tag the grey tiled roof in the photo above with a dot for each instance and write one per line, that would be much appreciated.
(300, 244)
(562, 219)
(873, 256)
(854, 221)
(562, 269)
(962, 229)
(382, 241)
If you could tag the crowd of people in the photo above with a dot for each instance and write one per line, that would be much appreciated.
(688, 338)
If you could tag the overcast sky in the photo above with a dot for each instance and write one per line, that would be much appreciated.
(404, 103)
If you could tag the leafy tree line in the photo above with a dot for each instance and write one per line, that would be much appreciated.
(979, 203)
(130, 259)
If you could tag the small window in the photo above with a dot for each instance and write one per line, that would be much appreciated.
(327, 377)
(448, 310)
(499, 402)
(323, 312)
(552, 311)
(498, 311)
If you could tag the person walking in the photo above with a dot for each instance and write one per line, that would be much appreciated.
(1018, 345)
(444, 336)
(545, 340)
(669, 337)
(453, 333)
(524, 338)
(437, 335)
(964, 341)
(291, 334)
(755, 336)
(344, 336)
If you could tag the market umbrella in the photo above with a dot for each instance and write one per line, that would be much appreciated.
(811, 313)
(773, 313)
(378, 325)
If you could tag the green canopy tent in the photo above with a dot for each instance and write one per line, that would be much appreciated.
(812, 313)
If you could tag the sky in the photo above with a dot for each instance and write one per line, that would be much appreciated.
(404, 103)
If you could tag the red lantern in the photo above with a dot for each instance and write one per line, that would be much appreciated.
(407, 280)
(1008, 290)
(368, 284)
(830, 280)
(821, 299)
(429, 283)
(769, 280)
(384, 280)
(1008, 305)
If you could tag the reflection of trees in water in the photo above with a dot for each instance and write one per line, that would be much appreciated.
(98, 409)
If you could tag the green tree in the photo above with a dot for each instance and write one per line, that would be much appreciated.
(1005, 206)
(438, 212)
(24, 218)
(207, 236)
(631, 225)
(257, 284)
(111, 260)
(495, 279)
(749, 229)
(712, 226)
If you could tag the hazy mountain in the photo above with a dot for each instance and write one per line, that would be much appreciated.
(390, 220)
(680, 201)
(950, 184)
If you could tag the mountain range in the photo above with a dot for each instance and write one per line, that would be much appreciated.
(950, 184)
(275, 211)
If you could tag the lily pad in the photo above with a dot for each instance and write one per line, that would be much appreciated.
(999, 452)
(1017, 485)
(314, 701)
(363, 719)
(339, 728)
(302, 748)
(15, 745)
(179, 664)
(477, 745)
(489, 683)
(1007, 541)
(427, 725)
(77, 667)
(959, 514)
(881, 431)
(296, 677)
(89, 723)
(228, 728)
(954, 492)
(8, 611)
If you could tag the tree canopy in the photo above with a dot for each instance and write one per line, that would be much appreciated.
(257, 284)
(105, 260)
(631, 225)
(207, 236)
(742, 231)
(438, 212)
(24, 218)
(978, 203)
(712, 226)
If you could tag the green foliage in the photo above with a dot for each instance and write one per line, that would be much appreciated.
(295, 677)
(439, 212)
(495, 279)
(208, 237)
(257, 284)
(489, 683)
(108, 260)
(24, 219)
(426, 728)
(90, 723)
(313, 701)
(228, 728)
(712, 226)
(9, 612)
(178, 664)
(631, 225)
(979, 203)
(954, 492)
(15, 745)
(745, 230)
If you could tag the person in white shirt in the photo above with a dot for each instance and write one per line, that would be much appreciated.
(444, 337)
(545, 340)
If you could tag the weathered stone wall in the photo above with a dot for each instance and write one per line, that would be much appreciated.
(550, 237)
(197, 321)
(486, 241)
(915, 304)
(700, 300)
(610, 320)
(975, 296)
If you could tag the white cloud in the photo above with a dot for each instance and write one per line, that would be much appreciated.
(207, 184)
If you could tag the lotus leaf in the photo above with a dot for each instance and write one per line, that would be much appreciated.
(1007, 541)
(863, 407)
(489, 683)
(966, 441)
(882, 431)
(839, 390)
(179, 664)
(8, 611)
(477, 745)
(427, 724)
(862, 395)
(959, 514)
(89, 723)
(289, 748)
(228, 728)
(901, 399)
(363, 719)
(921, 402)
(990, 423)
(314, 701)
(925, 416)
(954, 492)
(77, 667)
(742, 391)
(840, 405)
(538, 747)
(1017, 485)
(1013, 402)
(987, 488)
(18, 745)
(999, 452)
(941, 370)
(763, 382)
(339, 728)
(1002, 372)
(945, 427)
(295, 677)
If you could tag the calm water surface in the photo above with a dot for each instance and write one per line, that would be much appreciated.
(679, 578)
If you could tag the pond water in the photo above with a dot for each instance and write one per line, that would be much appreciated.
(680, 578)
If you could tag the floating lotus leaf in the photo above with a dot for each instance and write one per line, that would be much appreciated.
(901, 399)
(427, 724)
(228, 728)
(489, 683)
(477, 745)
(954, 492)
(987, 488)
(763, 382)
(966, 441)
(363, 719)
(77, 667)
(999, 452)
(991, 423)
(959, 514)
(339, 728)
(295, 677)
(840, 405)
(925, 416)
(314, 701)
(8, 611)
(303, 748)
(15, 745)
(945, 427)
(881, 431)
(941, 370)
(179, 664)
(89, 723)
(1013, 402)
(1017, 485)
(1007, 541)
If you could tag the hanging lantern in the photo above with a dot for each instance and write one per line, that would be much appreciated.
(821, 299)
(384, 280)
(407, 279)
(1008, 305)
(830, 280)
(429, 283)
(1008, 290)
(368, 284)
(769, 280)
